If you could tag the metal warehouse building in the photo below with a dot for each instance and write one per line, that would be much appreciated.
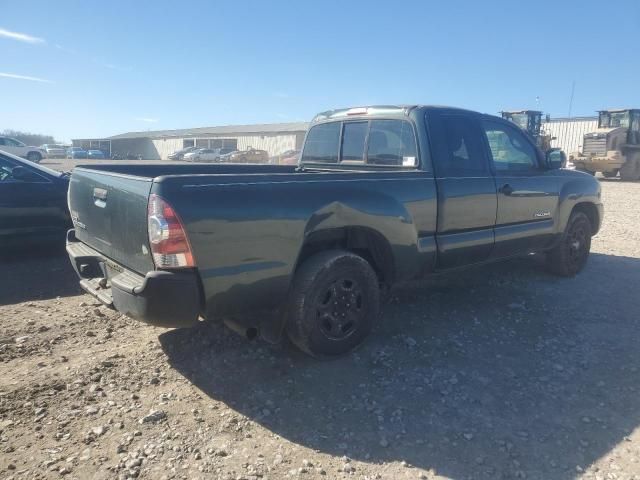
(275, 138)
(569, 131)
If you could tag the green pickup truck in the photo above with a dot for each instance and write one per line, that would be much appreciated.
(381, 195)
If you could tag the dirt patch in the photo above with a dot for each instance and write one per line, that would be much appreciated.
(500, 372)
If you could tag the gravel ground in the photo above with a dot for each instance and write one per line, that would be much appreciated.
(500, 372)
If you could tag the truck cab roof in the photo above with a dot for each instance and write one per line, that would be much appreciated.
(378, 110)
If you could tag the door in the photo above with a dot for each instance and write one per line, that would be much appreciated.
(527, 192)
(466, 189)
(16, 147)
(31, 206)
(11, 146)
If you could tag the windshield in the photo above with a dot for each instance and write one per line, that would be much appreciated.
(614, 119)
(521, 119)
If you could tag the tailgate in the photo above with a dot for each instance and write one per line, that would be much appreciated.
(109, 213)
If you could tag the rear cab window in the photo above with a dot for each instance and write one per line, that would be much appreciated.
(322, 143)
(380, 142)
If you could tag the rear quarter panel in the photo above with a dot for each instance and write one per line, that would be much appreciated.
(247, 231)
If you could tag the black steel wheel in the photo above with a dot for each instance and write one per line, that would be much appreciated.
(334, 303)
(630, 171)
(570, 255)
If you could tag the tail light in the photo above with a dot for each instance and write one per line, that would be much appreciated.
(168, 239)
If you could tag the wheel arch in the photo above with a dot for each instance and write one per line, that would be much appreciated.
(367, 242)
(591, 211)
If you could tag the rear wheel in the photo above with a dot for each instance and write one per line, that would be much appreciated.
(334, 303)
(570, 255)
(612, 174)
(34, 157)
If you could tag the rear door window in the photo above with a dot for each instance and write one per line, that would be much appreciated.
(322, 143)
(461, 152)
(354, 135)
(392, 142)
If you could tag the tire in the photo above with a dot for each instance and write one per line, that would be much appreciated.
(333, 305)
(611, 174)
(630, 171)
(34, 157)
(570, 255)
(586, 171)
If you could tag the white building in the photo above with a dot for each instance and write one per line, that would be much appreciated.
(569, 132)
(275, 138)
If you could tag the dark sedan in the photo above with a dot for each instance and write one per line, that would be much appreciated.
(33, 203)
(76, 152)
(95, 155)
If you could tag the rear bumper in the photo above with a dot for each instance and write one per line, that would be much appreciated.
(160, 298)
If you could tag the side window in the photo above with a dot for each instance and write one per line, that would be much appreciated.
(392, 142)
(27, 175)
(354, 135)
(322, 143)
(2, 141)
(13, 143)
(5, 169)
(510, 149)
(462, 150)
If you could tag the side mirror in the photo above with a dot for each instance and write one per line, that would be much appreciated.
(555, 159)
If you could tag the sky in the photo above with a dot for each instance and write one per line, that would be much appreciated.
(90, 69)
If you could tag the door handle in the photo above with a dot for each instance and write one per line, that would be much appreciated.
(506, 189)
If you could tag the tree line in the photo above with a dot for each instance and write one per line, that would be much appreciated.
(32, 139)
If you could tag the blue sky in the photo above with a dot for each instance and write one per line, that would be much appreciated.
(113, 66)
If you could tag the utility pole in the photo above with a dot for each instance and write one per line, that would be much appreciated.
(573, 89)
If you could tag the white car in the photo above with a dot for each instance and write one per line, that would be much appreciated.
(54, 151)
(11, 145)
(206, 154)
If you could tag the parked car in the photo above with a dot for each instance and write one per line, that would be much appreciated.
(251, 155)
(33, 203)
(179, 154)
(290, 157)
(207, 154)
(382, 195)
(95, 154)
(77, 152)
(16, 147)
(54, 151)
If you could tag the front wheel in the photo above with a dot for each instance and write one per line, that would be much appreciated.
(334, 303)
(630, 171)
(611, 174)
(570, 255)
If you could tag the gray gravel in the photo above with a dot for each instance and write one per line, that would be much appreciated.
(500, 372)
